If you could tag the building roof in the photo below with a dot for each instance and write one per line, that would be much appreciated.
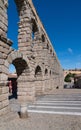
(77, 75)
(12, 75)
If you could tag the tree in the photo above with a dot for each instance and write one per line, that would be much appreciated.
(68, 77)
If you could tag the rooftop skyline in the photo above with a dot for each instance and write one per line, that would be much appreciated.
(62, 22)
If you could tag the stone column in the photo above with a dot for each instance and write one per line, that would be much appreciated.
(4, 50)
(4, 102)
(25, 27)
(3, 17)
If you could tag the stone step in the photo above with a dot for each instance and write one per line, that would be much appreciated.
(61, 103)
(57, 104)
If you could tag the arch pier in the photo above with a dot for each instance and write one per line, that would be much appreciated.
(37, 66)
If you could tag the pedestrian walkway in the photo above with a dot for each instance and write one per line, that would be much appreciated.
(65, 103)
(69, 104)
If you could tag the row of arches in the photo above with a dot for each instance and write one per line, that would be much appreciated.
(28, 68)
(34, 29)
(38, 71)
(21, 64)
(46, 72)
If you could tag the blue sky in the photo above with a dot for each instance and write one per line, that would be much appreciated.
(62, 22)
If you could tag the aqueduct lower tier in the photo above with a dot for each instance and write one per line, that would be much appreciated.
(36, 63)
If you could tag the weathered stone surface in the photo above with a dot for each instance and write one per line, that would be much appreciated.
(3, 97)
(23, 112)
(37, 66)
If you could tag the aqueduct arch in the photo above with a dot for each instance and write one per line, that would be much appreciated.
(32, 52)
(23, 70)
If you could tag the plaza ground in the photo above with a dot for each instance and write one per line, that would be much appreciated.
(39, 121)
(42, 122)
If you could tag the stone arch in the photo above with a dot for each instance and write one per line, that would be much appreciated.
(16, 54)
(53, 54)
(38, 80)
(18, 60)
(22, 66)
(20, 5)
(47, 46)
(41, 65)
(51, 50)
(34, 27)
(43, 38)
(38, 71)
(46, 71)
(50, 72)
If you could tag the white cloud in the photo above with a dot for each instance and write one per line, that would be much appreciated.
(70, 50)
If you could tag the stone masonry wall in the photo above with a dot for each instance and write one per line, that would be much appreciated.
(37, 66)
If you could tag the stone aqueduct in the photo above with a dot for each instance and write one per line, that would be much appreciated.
(37, 66)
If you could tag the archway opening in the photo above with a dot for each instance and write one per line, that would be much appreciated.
(46, 71)
(47, 46)
(50, 72)
(18, 69)
(12, 69)
(43, 38)
(20, 66)
(53, 54)
(51, 51)
(38, 71)
(34, 28)
(12, 82)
